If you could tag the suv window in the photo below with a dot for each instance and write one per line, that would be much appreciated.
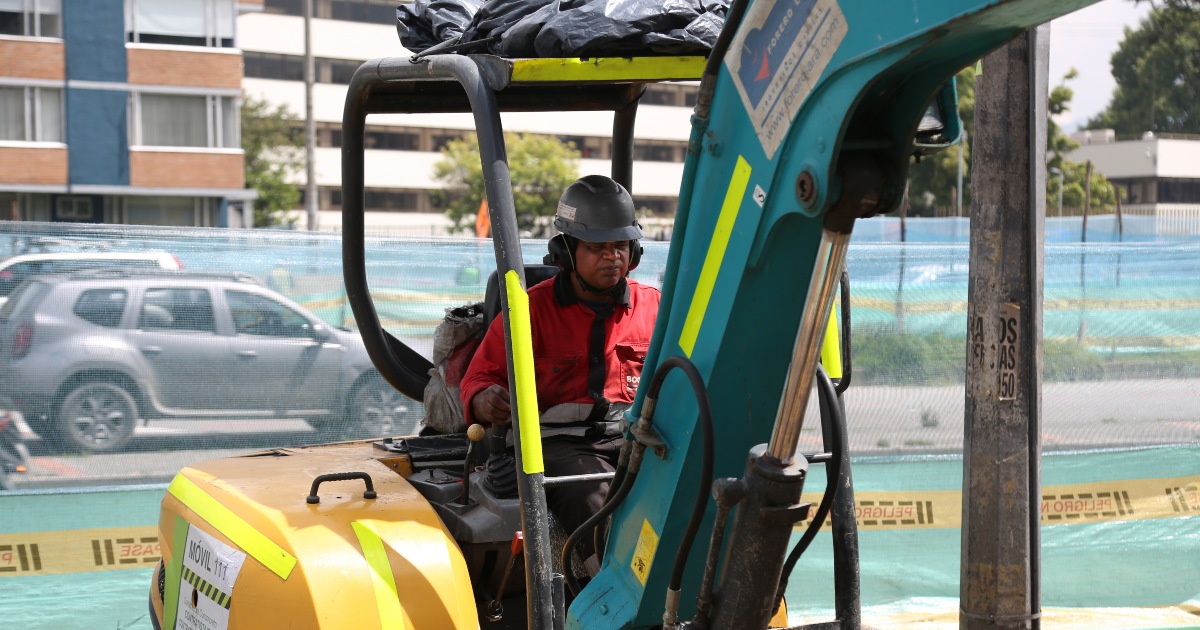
(177, 309)
(102, 307)
(10, 278)
(257, 315)
(28, 294)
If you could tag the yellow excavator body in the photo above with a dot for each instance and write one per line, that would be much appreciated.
(343, 562)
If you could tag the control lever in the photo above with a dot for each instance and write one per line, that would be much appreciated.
(495, 610)
(474, 434)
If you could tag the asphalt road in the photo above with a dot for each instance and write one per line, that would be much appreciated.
(881, 420)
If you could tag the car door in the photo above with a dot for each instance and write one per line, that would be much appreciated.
(277, 349)
(177, 334)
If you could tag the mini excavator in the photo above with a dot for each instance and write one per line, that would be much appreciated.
(808, 115)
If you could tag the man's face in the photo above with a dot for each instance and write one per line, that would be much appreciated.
(602, 265)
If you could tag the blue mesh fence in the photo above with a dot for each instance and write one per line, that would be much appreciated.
(1122, 375)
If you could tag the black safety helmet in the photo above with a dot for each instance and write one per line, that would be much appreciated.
(594, 209)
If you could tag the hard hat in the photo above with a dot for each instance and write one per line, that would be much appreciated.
(597, 209)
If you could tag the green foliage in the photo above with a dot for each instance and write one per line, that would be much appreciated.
(888, 357)
(273, 153)
(540, 168)
(894, 358)
(1157, 71)
(932, 180)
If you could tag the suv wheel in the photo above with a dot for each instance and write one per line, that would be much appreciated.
(97, 417)
(376, 410)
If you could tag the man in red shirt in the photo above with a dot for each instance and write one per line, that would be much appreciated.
(591, 327)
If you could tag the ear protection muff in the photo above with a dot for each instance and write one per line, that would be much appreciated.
(559, 253)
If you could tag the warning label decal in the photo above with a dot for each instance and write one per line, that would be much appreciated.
(776, 58)
(210, 569)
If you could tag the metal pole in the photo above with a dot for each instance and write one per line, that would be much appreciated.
(958, 200)
(1059, 173)
(999, 585)
(310, 125)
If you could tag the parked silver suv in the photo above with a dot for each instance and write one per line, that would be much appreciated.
(85, 356)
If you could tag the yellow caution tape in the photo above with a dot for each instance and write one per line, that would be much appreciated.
(79, 550)
(136, 547)
(1124, 500)
(528, 419)
(391, 615)
(232, 526)
(716, 254)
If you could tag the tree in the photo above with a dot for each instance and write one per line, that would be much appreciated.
(932, 180)
(1157, 71)
(540, 168)
(1058, 145)
(273, 153)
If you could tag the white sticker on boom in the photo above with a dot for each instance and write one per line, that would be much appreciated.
(566, 212)
(776, 57)
(210, 569)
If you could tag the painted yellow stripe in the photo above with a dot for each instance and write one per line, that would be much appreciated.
(831, 348)
(716, 253)
(528, 420)
(233, 527)
(391, 615)
(607, 69)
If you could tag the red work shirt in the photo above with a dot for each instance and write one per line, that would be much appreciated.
(565, 339)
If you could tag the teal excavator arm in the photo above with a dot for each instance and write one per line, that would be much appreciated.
(807, 118)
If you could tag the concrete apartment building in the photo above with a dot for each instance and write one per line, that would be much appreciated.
(121, 111)
(126, 111)
(401, 149)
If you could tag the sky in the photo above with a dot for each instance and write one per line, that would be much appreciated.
(1085, 40)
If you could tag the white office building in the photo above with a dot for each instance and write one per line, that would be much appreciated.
(402, 149)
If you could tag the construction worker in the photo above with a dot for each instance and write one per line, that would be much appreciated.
(591, 327)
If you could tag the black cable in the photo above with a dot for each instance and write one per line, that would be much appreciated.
(706, 462)
(577, 535)
(843, 383)
(600, 534)
(827, 396)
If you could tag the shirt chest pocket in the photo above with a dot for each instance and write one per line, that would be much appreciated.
(632, 358)
(559, 379)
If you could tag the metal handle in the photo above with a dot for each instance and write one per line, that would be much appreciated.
(346, 476)
(248, 354)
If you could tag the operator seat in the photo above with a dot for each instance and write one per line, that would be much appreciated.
(491, 299)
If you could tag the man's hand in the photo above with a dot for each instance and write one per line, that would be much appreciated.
(491, 405)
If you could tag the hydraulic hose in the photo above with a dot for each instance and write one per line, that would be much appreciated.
(706, 462)
(600, 534)
(844, 382)
(569, 548)
(827, 396)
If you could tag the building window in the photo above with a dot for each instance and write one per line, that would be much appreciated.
(338, 71)
(270, 66)
(390, 201)
(369, 11)
(180, 22)
(31, 114)
(385, 139)
(653, 153)
(181, 120)
(31, 18)
(659, 95)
